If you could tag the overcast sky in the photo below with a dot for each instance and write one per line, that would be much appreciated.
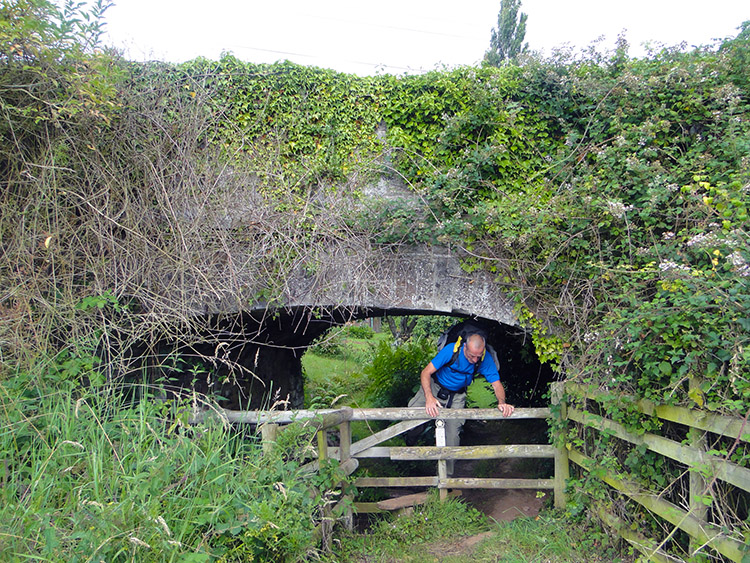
(397, 36)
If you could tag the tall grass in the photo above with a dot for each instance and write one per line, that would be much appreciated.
(96, 475)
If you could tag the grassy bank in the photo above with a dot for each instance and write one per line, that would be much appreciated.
(334, 368)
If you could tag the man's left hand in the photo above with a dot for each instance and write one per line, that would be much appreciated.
(506, 409)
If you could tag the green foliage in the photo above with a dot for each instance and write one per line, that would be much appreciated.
(392, 222)
(341, 343)
(431, 327)
(394, 372)
(46, 75)
(361, 331)
(467, 137)
(685, 312)
(106, 299)
(330, 344)
(441, 516)
(90, 475)
(395, 537)
(339, 380)
(437, 529)
(33, 31)
(650, 255)
(315, 120)
(551, 538)
(480, 395)
(738, 51)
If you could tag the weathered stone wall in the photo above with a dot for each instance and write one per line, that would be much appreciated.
(428, 279)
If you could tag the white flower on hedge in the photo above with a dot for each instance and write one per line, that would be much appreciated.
(618, 208)
(739, 264)
(702, 240)
(590, 337)
(668, 265)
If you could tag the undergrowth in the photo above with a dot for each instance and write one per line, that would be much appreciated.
(115, 473)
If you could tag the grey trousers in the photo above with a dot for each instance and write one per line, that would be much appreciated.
(453, 426)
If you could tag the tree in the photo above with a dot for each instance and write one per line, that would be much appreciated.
(402, 331)
(506, 42)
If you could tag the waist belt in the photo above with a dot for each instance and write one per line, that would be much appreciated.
(450, 393)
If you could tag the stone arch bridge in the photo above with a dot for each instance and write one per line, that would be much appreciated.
(265, 344)
(256, 350)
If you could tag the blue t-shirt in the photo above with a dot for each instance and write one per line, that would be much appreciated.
(461, 373)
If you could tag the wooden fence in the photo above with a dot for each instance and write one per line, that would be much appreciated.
(704, 467)
(694, 516)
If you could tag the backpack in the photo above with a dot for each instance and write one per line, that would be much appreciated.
(459, 333)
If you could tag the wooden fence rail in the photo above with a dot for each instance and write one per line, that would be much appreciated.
(704, 468)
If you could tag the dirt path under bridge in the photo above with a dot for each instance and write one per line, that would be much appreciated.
(502, 504)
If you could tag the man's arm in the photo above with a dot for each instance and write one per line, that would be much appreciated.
(502, 406)
(431, 404)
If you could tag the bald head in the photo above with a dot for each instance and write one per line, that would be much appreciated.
(474, 348)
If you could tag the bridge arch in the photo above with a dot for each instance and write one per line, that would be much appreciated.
(256, 352)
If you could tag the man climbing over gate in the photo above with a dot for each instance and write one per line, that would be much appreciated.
(445, 379)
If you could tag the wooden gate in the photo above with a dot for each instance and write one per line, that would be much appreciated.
(404, 419)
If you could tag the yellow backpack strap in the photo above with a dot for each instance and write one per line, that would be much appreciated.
(457, 345)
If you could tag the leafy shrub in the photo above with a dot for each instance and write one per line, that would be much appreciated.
(361, 331)
(326, 396)
(329, 344)
(430, 327)
(480, 395)
(394, 373)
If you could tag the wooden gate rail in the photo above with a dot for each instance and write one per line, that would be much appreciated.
(285, 417)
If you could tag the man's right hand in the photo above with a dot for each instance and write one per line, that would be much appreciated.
(432, 406)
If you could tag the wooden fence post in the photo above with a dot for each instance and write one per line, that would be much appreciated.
(322, 444)
(441, 464)
(326, 525)
(698, 483)
(268, 434)
(345, 447)
(562, 465)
